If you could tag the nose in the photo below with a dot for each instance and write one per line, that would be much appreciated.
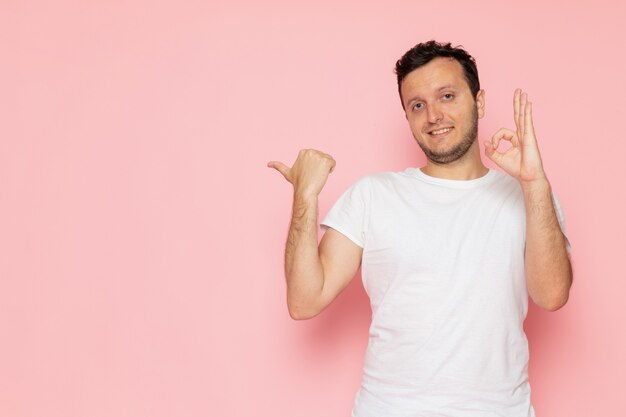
(433, 113)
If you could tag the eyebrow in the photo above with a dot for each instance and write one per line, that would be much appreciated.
(443, 87)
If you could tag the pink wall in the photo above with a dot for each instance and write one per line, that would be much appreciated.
(141, 233)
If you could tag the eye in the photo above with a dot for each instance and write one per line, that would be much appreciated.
(418, 106)
(448, 96)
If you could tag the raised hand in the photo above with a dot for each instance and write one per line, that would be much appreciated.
(308, 173)
(522, 160)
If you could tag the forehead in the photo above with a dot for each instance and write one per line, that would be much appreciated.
(431, 77)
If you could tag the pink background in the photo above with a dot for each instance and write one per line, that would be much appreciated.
(141, 234)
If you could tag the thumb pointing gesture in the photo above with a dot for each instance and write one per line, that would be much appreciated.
(280, 167)
(308, 173)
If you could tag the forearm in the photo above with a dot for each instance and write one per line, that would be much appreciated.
(303, 268)
(548, 268)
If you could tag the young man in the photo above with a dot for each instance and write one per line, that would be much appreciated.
(450, 252)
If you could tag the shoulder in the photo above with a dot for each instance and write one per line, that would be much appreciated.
(383, 179)
(373, 184)
(506, 183)
(503, 178)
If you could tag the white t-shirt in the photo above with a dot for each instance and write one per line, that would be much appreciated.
(443, 266)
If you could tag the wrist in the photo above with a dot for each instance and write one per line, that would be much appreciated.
(304, 197)
(540, 184)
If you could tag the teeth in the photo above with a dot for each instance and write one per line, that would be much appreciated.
(439, 132)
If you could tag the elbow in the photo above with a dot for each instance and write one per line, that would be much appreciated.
(555, 304)
(298, 313)
(557, 297)
(303, 305)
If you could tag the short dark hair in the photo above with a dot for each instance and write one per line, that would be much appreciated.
(422, 53)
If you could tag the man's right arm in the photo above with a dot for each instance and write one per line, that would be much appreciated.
(315, 274)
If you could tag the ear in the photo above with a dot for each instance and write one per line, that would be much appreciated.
(480, 103)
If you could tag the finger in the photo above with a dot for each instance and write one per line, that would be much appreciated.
(490, 151)
(280, 167)
(529, 126)
(504, 134)
(332, 167)
(516, 107)
(529, 117)
(522, 125)
(518, 111)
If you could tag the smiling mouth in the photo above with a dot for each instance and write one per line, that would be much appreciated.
(440, 133)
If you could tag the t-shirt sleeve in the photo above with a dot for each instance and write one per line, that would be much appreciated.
(561, 218)
(349, 215)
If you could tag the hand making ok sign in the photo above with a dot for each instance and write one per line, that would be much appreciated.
(522, 160)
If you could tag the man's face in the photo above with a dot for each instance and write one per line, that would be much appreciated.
(441, 111)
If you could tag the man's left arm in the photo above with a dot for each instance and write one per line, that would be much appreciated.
(548, 267)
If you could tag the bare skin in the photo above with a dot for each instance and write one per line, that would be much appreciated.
(437, 96)
(549, 272)
(440, 109)
(315, 276)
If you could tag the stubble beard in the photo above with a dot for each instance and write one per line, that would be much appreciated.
(457, 151)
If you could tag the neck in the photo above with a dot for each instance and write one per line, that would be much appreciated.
(468, 167)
